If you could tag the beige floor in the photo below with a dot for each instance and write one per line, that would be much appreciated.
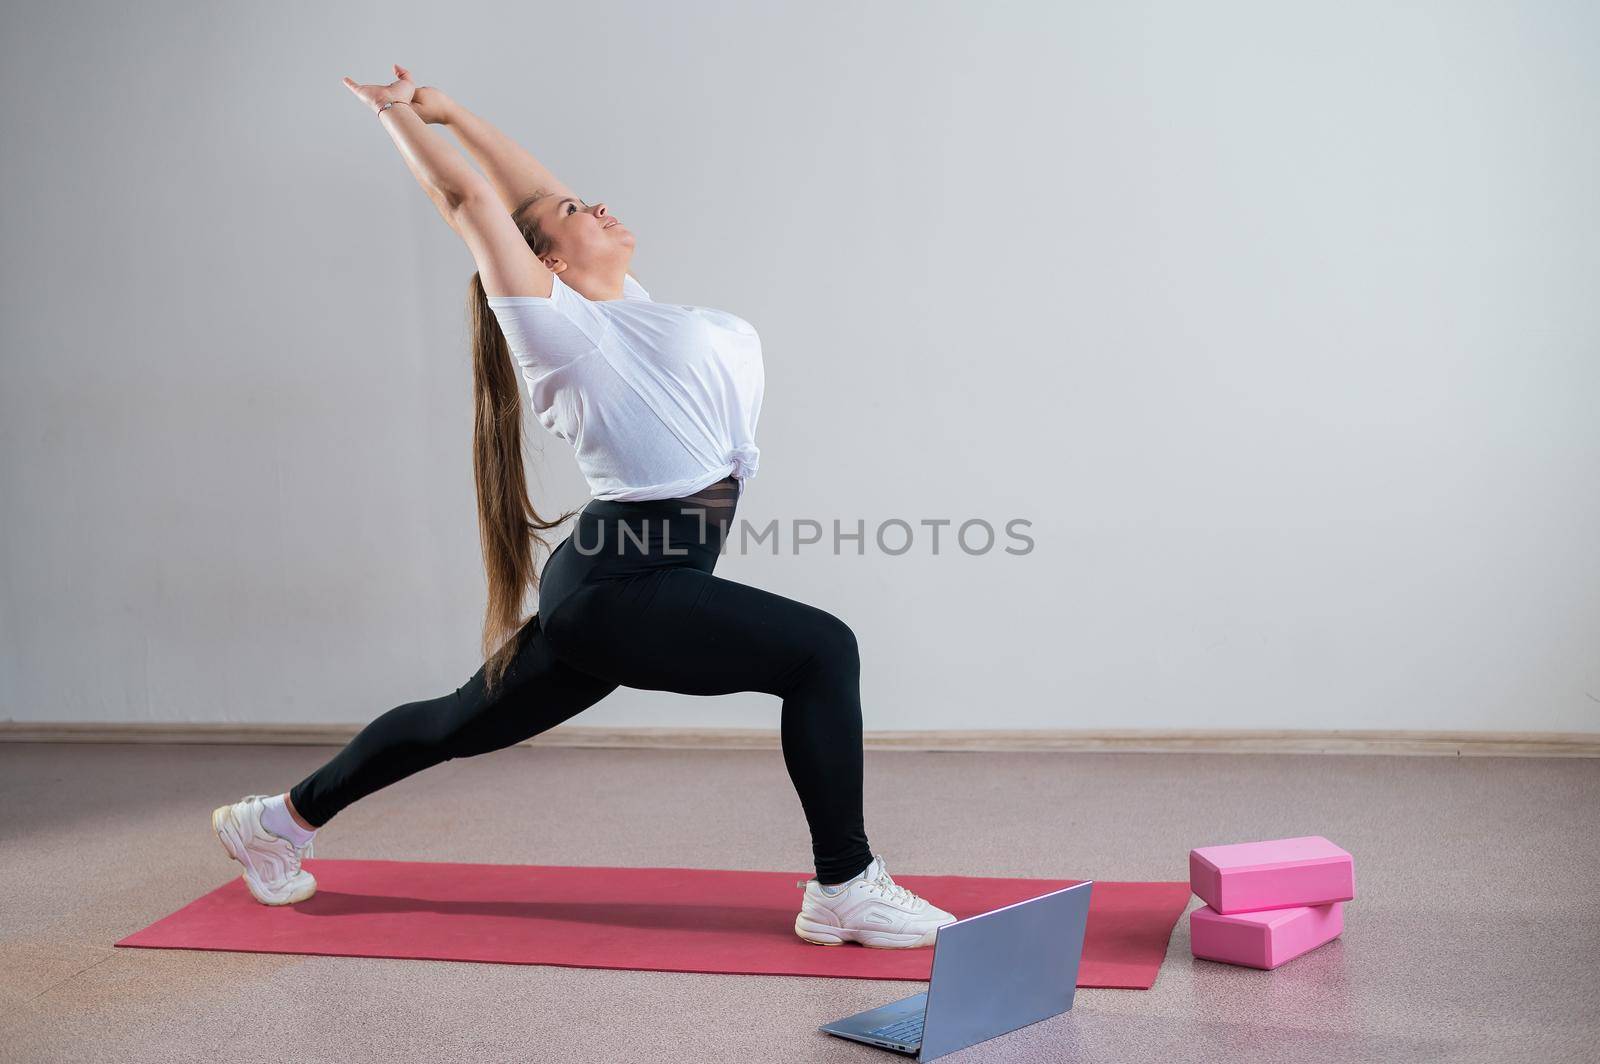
(1476, 935)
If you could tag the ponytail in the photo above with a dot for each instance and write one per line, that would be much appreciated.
(508, 526)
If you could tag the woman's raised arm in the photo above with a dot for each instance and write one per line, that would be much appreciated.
(506, 264)
(511, 169)
(447, 178)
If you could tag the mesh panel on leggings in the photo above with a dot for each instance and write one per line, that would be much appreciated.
(720, 496)
(717, 501)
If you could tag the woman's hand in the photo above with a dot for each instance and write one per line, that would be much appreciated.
(431, 104)
(401, 90)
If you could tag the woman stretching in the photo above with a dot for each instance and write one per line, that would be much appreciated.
(660, 402)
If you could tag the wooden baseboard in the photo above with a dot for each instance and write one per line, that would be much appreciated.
(1414, 743)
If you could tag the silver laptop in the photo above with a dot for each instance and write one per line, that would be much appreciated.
(992, 973)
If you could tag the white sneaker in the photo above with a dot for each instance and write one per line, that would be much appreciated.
(872, 910)
(271, 863)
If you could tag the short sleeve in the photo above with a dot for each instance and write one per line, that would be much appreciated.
(632, 289)
(547, 332)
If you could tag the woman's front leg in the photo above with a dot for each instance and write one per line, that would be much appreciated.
(688, 631)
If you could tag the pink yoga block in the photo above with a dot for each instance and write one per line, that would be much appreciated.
(1263, 939)
(1249, 876)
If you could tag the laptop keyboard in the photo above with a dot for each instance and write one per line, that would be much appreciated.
(908, 1030)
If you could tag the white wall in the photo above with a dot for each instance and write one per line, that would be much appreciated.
(1278, 322)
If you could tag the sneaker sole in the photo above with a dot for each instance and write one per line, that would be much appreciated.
(228, 836)
(825, 935)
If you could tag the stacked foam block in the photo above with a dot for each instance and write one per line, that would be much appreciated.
(1268, 902)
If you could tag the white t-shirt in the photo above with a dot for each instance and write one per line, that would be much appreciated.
(658, 399)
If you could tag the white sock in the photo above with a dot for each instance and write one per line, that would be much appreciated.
(276, 819)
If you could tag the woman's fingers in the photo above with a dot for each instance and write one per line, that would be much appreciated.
(367, 94)
(401, 90)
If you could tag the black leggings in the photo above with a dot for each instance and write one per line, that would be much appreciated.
(629, 599)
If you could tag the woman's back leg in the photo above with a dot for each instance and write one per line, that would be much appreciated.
(537, 692)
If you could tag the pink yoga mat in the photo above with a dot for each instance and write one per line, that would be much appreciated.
(649, 919)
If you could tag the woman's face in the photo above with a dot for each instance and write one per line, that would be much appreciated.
(584, 234)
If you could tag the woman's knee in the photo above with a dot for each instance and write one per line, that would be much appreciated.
(472, 722)
(834, 645)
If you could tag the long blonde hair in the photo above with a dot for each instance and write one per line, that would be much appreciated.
(508, 525)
